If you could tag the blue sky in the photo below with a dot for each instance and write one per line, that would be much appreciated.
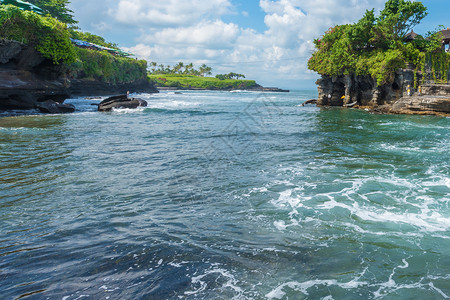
(267, 40)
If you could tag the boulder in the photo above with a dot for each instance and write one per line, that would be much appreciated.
(53, 107)
(121, 101)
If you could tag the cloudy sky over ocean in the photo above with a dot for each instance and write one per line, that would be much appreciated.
(269, 41)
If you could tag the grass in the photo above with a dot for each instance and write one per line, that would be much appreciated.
(196, 82)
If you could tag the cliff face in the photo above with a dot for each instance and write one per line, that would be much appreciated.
(27, 78)
(362, 91)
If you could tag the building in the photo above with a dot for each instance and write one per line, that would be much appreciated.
(446, 39)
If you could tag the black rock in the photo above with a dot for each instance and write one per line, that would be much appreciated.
(53, 107)
(121, 101)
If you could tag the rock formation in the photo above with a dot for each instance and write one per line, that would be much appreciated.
(362, 91)
(121, 101)
(28, 80)
(53, 107)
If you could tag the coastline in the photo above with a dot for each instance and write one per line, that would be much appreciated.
(256, 89)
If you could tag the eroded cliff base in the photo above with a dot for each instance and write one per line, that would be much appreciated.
(399, 97)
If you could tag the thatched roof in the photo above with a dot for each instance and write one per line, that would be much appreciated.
(411, 36)
(446, 34)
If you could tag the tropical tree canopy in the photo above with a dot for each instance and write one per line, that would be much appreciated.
(57, 9)
(374, 45)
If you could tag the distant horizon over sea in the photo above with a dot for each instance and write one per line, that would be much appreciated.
(219, 195)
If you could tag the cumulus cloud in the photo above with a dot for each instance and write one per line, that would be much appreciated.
(208, 34)
(168, 12)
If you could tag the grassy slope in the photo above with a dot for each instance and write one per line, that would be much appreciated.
(209, 83)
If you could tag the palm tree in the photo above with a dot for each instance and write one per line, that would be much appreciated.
(153, 66)
(188, 69)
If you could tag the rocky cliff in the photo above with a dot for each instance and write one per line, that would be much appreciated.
(363, 92)
(27, 78)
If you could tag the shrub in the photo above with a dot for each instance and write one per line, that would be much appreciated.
(49, 36)
(103, 66)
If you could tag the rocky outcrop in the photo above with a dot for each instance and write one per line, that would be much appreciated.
(28, 81)
(53, 107)
(362, 91)
(343, 90)
(26, 78)
(422, 105)
(121, 101)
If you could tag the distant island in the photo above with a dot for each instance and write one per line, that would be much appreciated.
(186, 77)
(381, 64)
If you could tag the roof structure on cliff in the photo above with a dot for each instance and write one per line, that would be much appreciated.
(23, 5)
(446, 34)
(411, 36)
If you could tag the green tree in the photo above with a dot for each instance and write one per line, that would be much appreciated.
(400, 16)
(373, 46)
(57, 9)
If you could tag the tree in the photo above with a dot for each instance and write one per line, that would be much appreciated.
(153, 66)
(373, 46)
(57, 9)
(400, 16)
(188, 69)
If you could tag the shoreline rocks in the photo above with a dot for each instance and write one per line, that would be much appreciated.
(121, 101)
(29, 81)
(363, 92)
(53, 107)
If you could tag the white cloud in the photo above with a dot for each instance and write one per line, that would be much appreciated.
(167, 12)
(207, 34)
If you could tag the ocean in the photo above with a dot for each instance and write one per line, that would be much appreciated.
(224, 195)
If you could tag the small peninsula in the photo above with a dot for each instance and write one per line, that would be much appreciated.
(381, 64)
(186, 77)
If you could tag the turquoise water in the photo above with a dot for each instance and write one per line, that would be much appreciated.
(218, 195)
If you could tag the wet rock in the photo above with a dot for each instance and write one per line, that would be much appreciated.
(422, 105)
(53, 107)
(121, 101)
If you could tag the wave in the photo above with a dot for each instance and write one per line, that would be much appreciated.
(180, 111)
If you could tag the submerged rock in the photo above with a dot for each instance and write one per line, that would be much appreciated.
(121, 101)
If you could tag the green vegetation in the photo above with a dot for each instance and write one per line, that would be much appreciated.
(230, 76)
(52, 39)
(196, 82)
(57, 9)
(377, 46)
(180, 68)
(105, 67)
(186, 76)
(48, 35)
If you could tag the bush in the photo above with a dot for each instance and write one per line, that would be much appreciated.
(103, 66)
(46, 34)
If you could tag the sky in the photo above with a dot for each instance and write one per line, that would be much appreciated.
(269, 41)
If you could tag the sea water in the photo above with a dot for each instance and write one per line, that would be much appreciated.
(219, 195)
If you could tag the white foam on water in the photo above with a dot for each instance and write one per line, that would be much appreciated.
(286, 199)
(303, 287)
(128, 110)
(200, 282)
